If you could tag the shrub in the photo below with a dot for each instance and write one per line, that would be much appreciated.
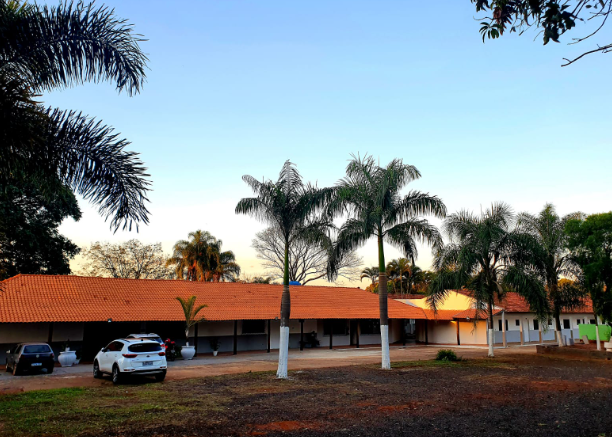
(446, 355)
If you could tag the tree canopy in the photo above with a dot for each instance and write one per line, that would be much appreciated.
(552, 18)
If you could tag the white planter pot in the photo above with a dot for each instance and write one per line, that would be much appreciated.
(215, 353)
(188, 352)
(67, 358)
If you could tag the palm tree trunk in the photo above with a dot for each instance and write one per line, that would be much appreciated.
(491, 332)
(283, 348)
(384, 313)
(558, 331)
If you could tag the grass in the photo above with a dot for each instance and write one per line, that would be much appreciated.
(88, 410)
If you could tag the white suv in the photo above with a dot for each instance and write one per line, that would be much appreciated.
(131, 356)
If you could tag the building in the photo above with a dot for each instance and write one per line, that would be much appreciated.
(456, 321)
(90, 312)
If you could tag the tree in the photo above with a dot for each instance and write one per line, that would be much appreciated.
(590, 242)
(46, 48)
(370, 195)
(191, 313)
(552, 18)
(291, 206)
(256, 279)
(29, 239)
(372, 273)
(130, 259)
(401, 269)
(308, 261)
(554, 261)
(201, 259)
(489, 257)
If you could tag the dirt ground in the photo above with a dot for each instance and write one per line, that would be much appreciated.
(513, 395)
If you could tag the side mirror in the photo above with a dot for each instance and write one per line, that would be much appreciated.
(103, 349)
(8, 352)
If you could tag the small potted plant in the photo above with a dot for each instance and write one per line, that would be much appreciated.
(191, 319)
(214, 345)
(67, 358)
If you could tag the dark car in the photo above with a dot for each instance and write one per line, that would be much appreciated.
(30, 357)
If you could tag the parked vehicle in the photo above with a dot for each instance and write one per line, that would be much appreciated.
(151, 336)
(171, 351)
(131, 356)
(28, 357)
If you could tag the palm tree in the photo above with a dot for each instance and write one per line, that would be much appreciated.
(370, 195)
(401, 268)
(46, 48)
(370, 273)
(488, 257)
(192, 258)
(289, 205)
(223, 266)
(191, 314)
(554, 260)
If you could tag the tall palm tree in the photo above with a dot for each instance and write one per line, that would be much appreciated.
(370, 195)
(402, 269)
(488, 257)
(223, 266)
(193, 258)
(46, 48)
(290, 205)
(191, 313)
(370, 273)
(554, 260)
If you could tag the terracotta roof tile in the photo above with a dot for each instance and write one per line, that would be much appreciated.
(471, 314)
(440, 314)
(47, 298)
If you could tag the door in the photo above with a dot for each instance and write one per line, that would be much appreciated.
(108, 357)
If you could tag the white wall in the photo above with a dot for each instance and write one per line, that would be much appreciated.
(473, 334)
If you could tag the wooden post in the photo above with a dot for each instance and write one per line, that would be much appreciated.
(235, 337)
(358, 329)
(268, 336)
(458, 339)
(302, 334)
(50, 338)
(195, 340)
(521, 329)
(503, 320)
(426, 333)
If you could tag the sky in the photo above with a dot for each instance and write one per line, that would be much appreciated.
(238, 87)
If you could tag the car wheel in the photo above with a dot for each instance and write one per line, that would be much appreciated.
(116, 375)
(16, 370)
(96, 370)
(160, 377)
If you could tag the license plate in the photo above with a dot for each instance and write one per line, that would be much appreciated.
(36, 364)
(147, 363)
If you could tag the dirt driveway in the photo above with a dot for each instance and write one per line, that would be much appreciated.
(80, 376)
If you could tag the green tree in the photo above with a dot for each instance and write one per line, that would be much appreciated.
(200, 259)
(291, 206)
(551, 18)
(487, 256)
(371, 273)
(406, 272)
(553, 261)
(29, 237)
(47, 48)
(370, 195)
(191, 313)
(590, 241)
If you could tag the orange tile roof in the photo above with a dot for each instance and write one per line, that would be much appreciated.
(441, 315)
(48, 298)
(471, 314)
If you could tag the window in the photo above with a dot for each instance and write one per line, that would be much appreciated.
(549, 322)
(114, 346)
(339, 327)
(578, 322)
(253, 326)
(566, 324)
(36, 349)
(592, 321)
(499, 325)
(506, 325)
(518, 322)
(145, 347)
(536, 324)
(369, 327)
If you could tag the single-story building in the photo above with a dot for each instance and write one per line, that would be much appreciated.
(456, 321)
(89, 312)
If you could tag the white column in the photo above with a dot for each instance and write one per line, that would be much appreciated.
(503, 320)
(521, 329)
(597, 332)
(527, 331)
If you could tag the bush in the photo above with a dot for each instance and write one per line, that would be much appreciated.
(446, 355)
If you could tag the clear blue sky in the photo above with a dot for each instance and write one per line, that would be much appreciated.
(238, 87)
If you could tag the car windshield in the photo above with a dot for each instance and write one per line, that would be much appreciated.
(36, 349)
(144, 347)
